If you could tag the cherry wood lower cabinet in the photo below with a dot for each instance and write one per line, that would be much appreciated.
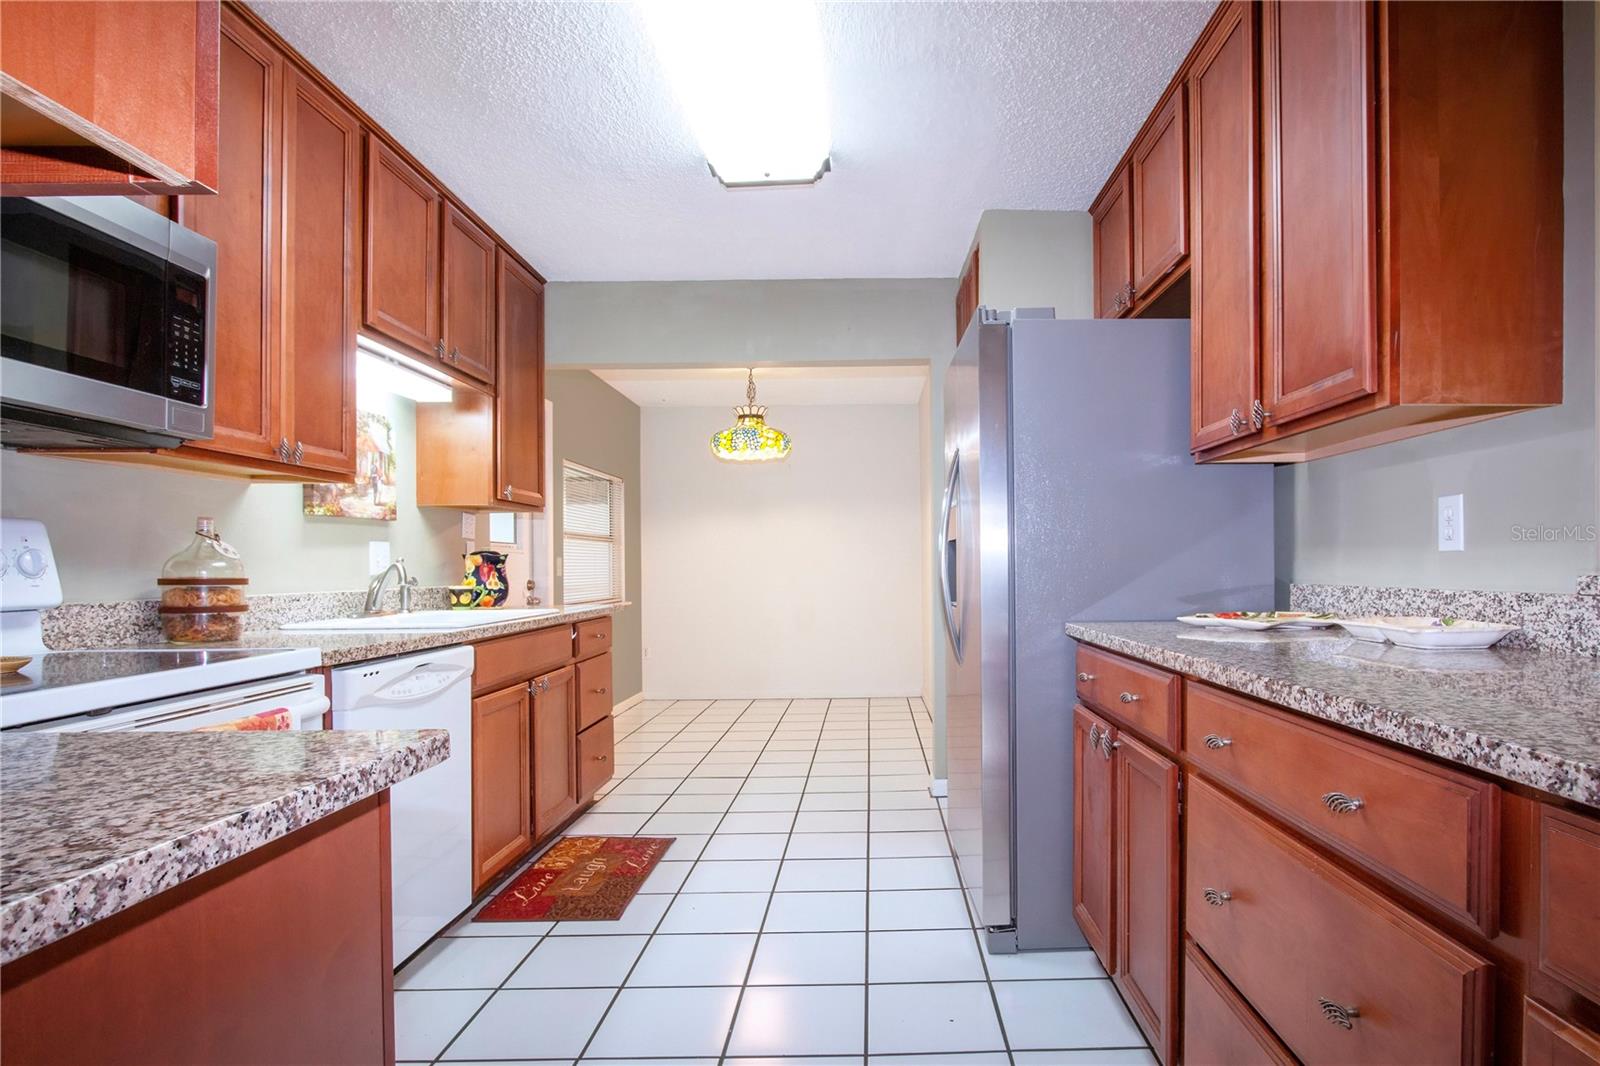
(1146, 836)
(596, 745)
(1219, 1028)
(502, 830)
(283, 955)
(555, 749)
(1094, 843)
(1342, 900)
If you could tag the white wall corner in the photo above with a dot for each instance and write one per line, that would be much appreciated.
(939, 787)
(636, 698)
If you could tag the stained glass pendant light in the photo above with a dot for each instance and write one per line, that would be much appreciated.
(750, 439)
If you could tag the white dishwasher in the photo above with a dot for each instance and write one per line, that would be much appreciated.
(430, 815)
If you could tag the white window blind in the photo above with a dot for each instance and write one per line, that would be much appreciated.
(591, 535)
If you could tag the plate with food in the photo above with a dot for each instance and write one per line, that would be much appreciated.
(1259, 620)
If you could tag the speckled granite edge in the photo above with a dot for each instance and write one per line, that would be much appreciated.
(97, 625)
(1548, 772)
(118, 622)
(1551, 621)
(34, 921)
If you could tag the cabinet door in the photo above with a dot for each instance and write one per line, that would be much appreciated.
(1321, 324)
(519, 399)
(1551, 1040)
(1161, 196)
(321, 198)
(468, 291)
(555, 755)
(243, 220)
(1224, 263)
(1146, 891)
(1093, 833)
(1113, 248)
(501, 829)
(402, 264)
(595, 748)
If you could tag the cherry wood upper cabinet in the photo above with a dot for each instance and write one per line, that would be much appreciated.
(1093, 834)
(501, 748)
(1146, 806)
(468, 292)
(321, 204)
(519, 400)
(967, 294)
(1224, 262)
(109, 96)
(1321, 275)
(244, 220)
(1160, 179)
(1113, 247)
(555, 750)
(401, 291)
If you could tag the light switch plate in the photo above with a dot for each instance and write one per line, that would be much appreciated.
(377, 556)
(1452, 523)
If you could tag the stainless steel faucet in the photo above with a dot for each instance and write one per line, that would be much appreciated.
(406, 584)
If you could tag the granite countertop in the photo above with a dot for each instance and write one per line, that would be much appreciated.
(1522, 715)
(339, 647)
(93, 823)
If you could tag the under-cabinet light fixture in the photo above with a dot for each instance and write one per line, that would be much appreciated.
(749, 76)
(382, 368)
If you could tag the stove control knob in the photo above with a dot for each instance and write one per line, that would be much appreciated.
(31, 563)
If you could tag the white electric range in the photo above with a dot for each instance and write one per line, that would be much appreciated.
(162, 687)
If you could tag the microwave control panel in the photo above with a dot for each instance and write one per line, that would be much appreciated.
(186, 336)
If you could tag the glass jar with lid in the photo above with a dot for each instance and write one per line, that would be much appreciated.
(203, 589)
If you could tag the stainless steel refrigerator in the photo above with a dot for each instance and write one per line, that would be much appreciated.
(1069, 494)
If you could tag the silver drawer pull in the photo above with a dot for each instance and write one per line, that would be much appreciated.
(1216, 743)
(1085, 678)
(1216, 898)
(1339, 803)
(1337, 1013)
(1094, 735)
(1128, 697)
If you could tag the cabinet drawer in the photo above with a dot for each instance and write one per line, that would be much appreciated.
(1141, 697)
(594, 690)
(1219, 1028)
(1551, 1040)
(594, 756)
(594, 636)
(1569, 895)
(1340, 973)
(1430, 829)
(506, 659)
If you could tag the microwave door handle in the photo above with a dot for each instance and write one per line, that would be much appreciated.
(947, 552)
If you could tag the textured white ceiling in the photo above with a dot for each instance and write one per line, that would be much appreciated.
(554, 122)
(776, 386)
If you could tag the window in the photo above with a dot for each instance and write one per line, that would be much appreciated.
(591, 535)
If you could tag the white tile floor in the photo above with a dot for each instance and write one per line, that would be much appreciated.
(809, 912)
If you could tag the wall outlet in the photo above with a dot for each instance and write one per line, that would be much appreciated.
(469, 526)
(377, 556)
(1452, 523)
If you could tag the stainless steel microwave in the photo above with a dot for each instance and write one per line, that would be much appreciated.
(107, 325)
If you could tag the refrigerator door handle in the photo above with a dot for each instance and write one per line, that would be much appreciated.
(947, 553)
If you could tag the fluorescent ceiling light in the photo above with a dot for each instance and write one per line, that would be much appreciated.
(380, 368)
(749, 76)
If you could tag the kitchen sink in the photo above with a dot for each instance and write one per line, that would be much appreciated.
(434, 620)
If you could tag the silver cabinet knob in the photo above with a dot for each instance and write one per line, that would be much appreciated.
(506, 492)
(1129, 697)
(1236, 422)
(1340, 803)
(1085, 678)
(1258, 414)
(600, 691)
(1094, 735)
(299, 451)
(1216, 897)
(1337, 1013)
(601, 758)
(1216, 743)
(283, 449)
(438, 347)
(1107, 745)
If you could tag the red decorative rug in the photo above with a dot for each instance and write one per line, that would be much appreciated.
(582, 879)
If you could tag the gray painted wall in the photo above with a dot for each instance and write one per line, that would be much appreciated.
(598, 427)
(112, 525)
(1369, 517)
